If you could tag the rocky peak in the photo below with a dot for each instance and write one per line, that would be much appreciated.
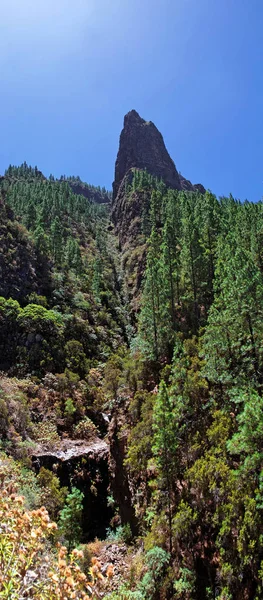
(142, 147)
(133, 117)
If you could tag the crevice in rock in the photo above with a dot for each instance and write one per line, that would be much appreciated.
(85, 466)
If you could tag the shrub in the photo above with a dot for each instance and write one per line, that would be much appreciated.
(122, 533)
(76, 359)
(70, 409)
(27, 567)
(52, 495)
(45, 433)
(85, 429)
(70, 517)
(4, 418)
(34, 298)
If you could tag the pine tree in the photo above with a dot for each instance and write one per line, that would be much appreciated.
(151, 326)
(57, 240)
(164, 447)
(70, 517)
(232, 346)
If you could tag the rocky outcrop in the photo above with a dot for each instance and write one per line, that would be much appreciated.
(189, 187)
(92, 466)
(119, 476)
(93, 194)
(84, 464)
(68, 450)
(142, 147)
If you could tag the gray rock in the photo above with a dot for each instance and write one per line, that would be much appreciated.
(142, 147)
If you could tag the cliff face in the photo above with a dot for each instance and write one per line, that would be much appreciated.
(87, 465)
(93, 194)
(142, 147)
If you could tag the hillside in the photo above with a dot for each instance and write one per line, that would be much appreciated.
(131, 383)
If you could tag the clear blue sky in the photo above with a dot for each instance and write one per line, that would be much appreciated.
(71, 69)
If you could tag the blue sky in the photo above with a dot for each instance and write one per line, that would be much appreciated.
(71, 69)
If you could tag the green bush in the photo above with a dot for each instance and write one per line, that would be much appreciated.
(70, 518)
(85, 429)
(122, 533)
(52, 495)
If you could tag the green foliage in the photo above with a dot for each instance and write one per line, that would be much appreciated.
(232, 338)
(156, 562)
(140, 439)
(247, 442)
(124, 593)
(75, 357)
(53, 266)
(112, 374)
(186, 401)
(52, 495)
(45, 432)
(203, 297)
(184, 586)
(4, 418)
(70, 517)
(36, 299)
(178, 282)
(122, 533)
(69, 409)
(85, 429)
(21, 479)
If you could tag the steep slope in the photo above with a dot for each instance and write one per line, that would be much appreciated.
(164, 439)
(57, 254)
(143, 167)
(141, 149)
(94, 194)
(23, 270)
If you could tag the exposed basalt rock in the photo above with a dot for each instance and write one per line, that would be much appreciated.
(85, 465)
(142, 147)
(92, 466)
(92, 194)
(189, 187)
(119, 476)
(68, 449)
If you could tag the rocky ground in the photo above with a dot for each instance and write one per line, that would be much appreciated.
(120, 557)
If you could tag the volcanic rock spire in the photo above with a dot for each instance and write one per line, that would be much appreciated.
(142, 147)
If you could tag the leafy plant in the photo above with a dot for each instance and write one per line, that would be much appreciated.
(70, 517)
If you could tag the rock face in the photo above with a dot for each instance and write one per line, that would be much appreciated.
(119, 475)
(93, 194)
(142, 147)
(84, 464)
(68, 450)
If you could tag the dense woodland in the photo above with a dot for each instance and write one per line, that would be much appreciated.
(163, 334)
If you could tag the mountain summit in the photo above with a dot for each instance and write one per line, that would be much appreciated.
(142, 147)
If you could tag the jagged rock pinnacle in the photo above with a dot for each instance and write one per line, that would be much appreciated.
(142, 147)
